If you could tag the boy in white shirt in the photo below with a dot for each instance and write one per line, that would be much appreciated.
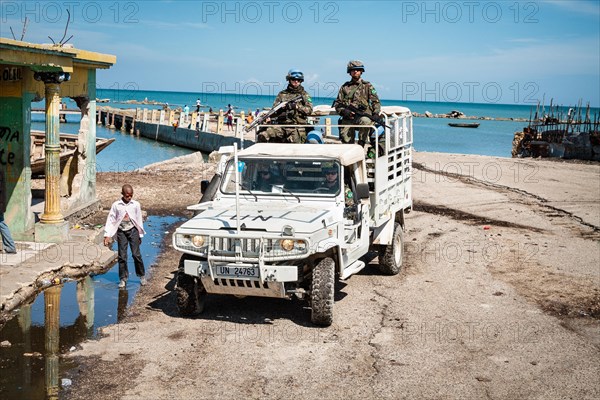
(125, 219)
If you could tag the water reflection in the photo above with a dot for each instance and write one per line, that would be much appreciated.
(85, 300)
(62, 317)
(52, 322)
(122, 304)
(24, 320)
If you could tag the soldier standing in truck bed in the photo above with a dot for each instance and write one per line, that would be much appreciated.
(294, 113)
(360, 94)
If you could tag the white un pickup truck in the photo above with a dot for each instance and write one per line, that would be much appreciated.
(288, 220)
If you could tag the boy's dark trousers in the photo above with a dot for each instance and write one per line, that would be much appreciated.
(132, 237)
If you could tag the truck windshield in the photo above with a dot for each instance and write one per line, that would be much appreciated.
(281, 177)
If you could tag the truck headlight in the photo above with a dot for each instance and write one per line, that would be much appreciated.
(197, 241)
(290, 244)
(287, 244)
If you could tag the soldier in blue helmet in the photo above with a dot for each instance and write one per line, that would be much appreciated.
(363, 96)
(294, 113)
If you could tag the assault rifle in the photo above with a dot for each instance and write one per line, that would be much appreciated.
(273, 111)
(360, 112)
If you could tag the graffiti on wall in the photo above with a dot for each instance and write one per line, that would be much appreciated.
(7, 135)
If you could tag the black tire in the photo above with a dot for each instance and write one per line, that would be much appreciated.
(189, 290)
(390, 255)
(322, 292)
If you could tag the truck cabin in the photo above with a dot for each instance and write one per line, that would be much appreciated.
(291, 170)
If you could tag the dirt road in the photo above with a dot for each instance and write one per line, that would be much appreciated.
(499, 298)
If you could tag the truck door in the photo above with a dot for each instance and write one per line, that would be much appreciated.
(356, 214)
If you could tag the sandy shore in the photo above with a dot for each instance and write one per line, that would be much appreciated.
(499, 298)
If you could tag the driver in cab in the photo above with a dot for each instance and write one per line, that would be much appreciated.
(265, 180)
(331, 184)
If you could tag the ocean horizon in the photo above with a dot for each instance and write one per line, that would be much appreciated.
(245, 102)
(492, 138)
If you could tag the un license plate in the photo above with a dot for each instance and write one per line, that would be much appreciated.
(237, 272)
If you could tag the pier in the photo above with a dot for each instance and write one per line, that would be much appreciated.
(203, 132)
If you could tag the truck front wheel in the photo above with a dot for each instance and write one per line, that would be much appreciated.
(322, 292)
(189, 290)
(390, 255)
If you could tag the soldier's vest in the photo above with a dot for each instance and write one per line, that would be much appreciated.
(291, 117)
(358, 94)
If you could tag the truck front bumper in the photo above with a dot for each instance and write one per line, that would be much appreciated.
(268, 281)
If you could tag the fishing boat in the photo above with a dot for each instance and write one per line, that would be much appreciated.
(464, 124)
(68, 147)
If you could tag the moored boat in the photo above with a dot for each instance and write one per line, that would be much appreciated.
(464, 124)
(68, 147)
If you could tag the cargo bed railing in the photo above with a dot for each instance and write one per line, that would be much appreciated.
(389, 171)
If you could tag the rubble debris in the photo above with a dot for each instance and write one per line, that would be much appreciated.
(554, 133)
(456, 114)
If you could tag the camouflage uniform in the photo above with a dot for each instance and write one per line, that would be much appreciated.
(360, 94)
(297, 116)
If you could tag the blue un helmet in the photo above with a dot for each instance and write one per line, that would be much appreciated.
(355, 64)
(315, 137)
(294, 74)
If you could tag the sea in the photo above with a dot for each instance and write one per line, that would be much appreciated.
(492, 138)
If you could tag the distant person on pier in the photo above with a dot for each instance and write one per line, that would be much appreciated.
(294, 113)
(125, 220)
(8, 244)
(361, 95)
(198, 105)
(62, 117)
(186, 112)
(229, 117)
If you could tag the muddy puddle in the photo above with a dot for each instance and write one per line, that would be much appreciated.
(33, 343)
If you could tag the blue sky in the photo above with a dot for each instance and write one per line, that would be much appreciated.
(467, 51)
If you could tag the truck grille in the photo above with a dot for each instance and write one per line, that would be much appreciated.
(224, 246)
(250, 248)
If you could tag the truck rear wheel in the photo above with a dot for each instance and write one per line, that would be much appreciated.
(322, 292)
(390, 255)
(189, 290)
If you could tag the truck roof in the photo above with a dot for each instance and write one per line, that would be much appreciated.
(346, 153)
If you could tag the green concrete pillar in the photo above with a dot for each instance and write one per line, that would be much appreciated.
(53, 227)
(52, 214)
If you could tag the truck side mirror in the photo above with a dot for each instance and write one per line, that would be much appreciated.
(362, 191)
(203, 186)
